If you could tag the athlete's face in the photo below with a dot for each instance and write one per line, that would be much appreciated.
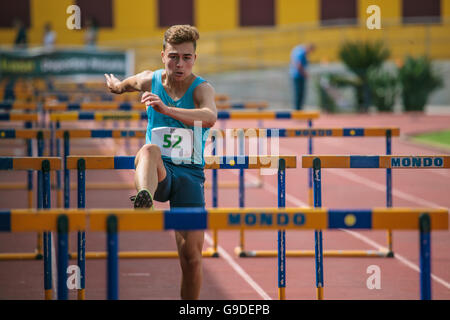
(178, 60)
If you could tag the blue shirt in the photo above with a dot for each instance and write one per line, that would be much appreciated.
(298, 55)
(157, 120)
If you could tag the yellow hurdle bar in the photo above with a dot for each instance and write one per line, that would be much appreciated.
(211, 162)
(91, 133)
(310, 132)
(102, 105)
(93, 106)
(255, 115)
(221, 97)
(227, 219)
(98, 116)
(139, 254)
(12, 116)
(23, 133)
(28, 106)
(387, 162)
(247, 105)
(29, 163)
(311, 253)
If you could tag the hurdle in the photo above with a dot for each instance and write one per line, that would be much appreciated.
(6, 133)
(39, 135)
(121, 106)
(43, 165)
(237, 106)
(23, 106)
(317, 162)
(67, 134)
(83, 163)
(28, 134)
(133, 115)
(13, 116)
(349, 132)
(114, 221)
(58, 117)
(308, 116)
(253, 115)
(29, 118)
(64, 106)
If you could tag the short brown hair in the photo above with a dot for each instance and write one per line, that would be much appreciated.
(181, 33)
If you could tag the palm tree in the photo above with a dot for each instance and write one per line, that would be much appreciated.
(359, 57)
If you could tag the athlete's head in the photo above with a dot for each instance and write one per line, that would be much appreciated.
(178, 55)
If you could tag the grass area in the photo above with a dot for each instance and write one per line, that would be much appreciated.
(436, 138)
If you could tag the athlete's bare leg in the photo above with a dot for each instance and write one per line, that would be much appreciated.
(190, 245)
(149, 168)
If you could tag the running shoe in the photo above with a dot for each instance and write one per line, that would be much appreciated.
(143, 199)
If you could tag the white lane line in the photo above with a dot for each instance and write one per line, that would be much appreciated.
(136, 274)
(253, 179)
(396, 255)
(357, 235)
(224, 254)
(380, 187)
(444, 173)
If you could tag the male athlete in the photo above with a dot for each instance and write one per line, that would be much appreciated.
(170, 165)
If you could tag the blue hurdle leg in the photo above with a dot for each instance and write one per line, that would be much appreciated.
(310, 170)
(241, 152)
(81, 243)
(48, 265)
(40, 153)
(425, 257)
(45, 203)
(66, 171)
(281, 233)
(318, 233)
(81, 260)
(215, 195)
(389, 190)
(58, 172)
(63, 256)
(113, 259)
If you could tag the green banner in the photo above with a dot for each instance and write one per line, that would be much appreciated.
(64, 63)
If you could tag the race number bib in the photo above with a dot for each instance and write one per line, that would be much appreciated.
(176, 143)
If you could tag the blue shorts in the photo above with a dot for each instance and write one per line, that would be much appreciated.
(183, 186)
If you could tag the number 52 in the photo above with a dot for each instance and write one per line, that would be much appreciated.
(168, 141)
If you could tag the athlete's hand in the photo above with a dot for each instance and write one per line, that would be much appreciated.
(113, 83)
(153, 100)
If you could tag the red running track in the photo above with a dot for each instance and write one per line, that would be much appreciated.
(230, 277)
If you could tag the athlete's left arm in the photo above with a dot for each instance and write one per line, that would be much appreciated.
(204, 100)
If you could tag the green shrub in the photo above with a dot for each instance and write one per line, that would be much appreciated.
(360, 57)
(418, 80)
(326, 101)
(329, 96)
(383, 88)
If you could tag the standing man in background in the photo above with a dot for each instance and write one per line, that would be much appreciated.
(21, 40)
(49, 39)
(297, 71)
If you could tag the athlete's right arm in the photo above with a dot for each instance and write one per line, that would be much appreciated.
(139, 82)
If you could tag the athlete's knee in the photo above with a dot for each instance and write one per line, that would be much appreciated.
(191, 260)
(149, 151)
(191, 253)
